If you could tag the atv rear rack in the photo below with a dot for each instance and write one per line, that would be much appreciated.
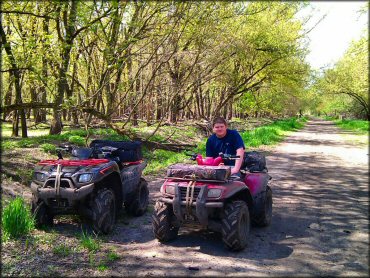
(65, 162)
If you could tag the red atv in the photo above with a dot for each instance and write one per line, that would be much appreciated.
(206, 195)
(94, 183)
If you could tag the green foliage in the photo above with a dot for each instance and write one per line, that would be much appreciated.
(271, 133)
(256, 49)
(47, 142)
(75, 139)
(261, 136)
(102, 267)
(359, 126)
(90, 243)
(48, 148)
(343, 89)
(16, 219)
(8, 145)
(160, 159)
(25, 143)
(112, 256)
(62, 250)
(75, 132)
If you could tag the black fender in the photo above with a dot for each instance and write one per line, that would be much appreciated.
(109, 177)
(240, 193)
(259, 202)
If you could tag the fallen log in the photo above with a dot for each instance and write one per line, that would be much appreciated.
(169, 146)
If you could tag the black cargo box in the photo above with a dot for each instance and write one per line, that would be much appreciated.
(128, 151)
(254, 162)
(201, 172)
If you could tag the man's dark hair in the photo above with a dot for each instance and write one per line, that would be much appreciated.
(219, 120)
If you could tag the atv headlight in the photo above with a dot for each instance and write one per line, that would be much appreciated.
(84, 178)
(214, 193)
(40, 176)
(170, 189)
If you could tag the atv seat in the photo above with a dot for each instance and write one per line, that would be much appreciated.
(82, 153)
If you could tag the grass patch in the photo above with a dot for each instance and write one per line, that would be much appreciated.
(62, 250)
(16, 219)
(160, 159)
(102, 267)
(74, 136)
(272, 133)
(88, 242)
(77, 140)
(9, 145)
(48, 148)
(112, 256)
(358, 126)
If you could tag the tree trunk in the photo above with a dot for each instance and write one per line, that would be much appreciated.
(15, 124)
(158, 107)
(36, 112)
(8, 94)
(56, 124)
(18, 91)
(230, 115)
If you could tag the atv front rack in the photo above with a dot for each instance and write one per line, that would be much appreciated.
(190, 178)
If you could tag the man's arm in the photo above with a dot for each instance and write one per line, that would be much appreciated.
(208, 148)
(238, 162)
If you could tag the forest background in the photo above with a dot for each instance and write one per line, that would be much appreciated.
(88, 63)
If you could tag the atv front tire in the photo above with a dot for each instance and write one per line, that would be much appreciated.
(104, 211)
(41, 214)
(265, 216)
(139, 203)
(162, 217)
(236, 225)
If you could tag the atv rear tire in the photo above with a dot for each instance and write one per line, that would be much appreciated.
(104, 211)
(162, 217)
(236, 225)
(41, 214)
(264, 218)
(139, 203)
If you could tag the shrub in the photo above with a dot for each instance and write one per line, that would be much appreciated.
(16, 219)
(359, 126)
(48, 148)
(75, 139)
(8, 145)
(26, 143)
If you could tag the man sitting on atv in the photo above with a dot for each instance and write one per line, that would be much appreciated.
(226, 141)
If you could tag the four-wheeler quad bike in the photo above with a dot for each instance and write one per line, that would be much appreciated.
(94, 183)
(207, 196)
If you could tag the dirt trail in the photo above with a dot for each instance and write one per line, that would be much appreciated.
(320, 224)
(319, 227)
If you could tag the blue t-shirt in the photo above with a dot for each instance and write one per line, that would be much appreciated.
(227, 145)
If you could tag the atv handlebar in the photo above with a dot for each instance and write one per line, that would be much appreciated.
(92, 152)
(193, 156)
(229, 156)
(212, 161)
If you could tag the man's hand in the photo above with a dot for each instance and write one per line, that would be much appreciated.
(238, 162)
(234, 171)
